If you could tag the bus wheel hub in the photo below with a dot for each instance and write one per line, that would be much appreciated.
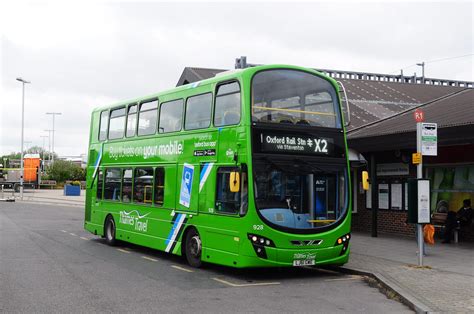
(195, 246)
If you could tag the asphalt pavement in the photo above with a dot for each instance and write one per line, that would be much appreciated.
(48, 263)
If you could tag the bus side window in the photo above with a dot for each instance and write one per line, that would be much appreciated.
(104, 121)
(127, 185)
(143, 185)
(159, 186)
(147, 118)
(117, 123)
(131, 120)
(226, 201)
(171, 115)
(227, 110)
(112, 184)
(198, 112)
(100, 181)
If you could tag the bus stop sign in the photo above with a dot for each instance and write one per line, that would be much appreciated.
(419, 115)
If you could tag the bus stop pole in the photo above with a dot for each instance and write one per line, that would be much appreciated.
(419, 175)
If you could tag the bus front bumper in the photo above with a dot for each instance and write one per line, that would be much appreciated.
(279, 257)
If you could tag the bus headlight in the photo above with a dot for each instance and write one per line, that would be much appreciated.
(259, 243)
(344, 241)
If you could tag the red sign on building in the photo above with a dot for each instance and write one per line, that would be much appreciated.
(419, 115)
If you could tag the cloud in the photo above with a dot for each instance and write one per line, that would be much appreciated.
(83, 55)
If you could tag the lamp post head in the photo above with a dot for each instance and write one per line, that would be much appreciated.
(19, 79)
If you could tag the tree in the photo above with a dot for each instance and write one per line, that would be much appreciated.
(62, 170)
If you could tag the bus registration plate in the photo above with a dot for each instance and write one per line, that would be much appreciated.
(304, 259)
(304, 262)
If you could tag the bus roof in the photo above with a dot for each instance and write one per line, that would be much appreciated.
(223, 76)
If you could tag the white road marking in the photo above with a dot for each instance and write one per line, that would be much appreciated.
(64, 231)
(183, 269)
(150, 259)
(123, 251)
(245, 284)
(73, 234)
(352, 277)
(83, 238)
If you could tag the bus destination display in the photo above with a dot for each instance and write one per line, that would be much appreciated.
(296, 144)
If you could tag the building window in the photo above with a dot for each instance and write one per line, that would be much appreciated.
(127, 185)
(112, 184)
(104, 121)
(227, 110)
(171, 115)
(143, 185)
(159, 186)
(131, 120)
(198, 112)
(117, 123)
(100, 181)
(226, 201)
(147, 118)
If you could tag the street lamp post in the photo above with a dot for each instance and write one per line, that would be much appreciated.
(422, 65)
(44, 161)
(49, 145)
(54, 115)
(19, 79)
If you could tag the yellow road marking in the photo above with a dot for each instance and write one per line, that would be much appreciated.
(83, 238)
(183, 269)
(123, 251)
(73, 234)
(150, 259)
(245, 284)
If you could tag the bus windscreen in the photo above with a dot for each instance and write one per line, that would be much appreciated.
(294, 97)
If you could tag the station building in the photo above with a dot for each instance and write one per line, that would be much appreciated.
(382, 139)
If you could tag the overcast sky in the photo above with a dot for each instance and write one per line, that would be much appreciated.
(81, 55)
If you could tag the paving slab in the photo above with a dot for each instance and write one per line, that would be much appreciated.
(446, 284)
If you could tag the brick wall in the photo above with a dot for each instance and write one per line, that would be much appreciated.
(388, 221)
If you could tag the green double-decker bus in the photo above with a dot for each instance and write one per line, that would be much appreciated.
(246, 169)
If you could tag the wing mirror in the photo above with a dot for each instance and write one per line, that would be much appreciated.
(234, 182)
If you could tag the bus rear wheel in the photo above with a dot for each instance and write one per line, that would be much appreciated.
(110, 231)
(193, 248)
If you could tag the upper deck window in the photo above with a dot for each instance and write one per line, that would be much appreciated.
(147, 118)
(104, 121)
(198, 112)
(117, 123)
(294, 97)
(227, 111)
(171, 115)
(131, 120)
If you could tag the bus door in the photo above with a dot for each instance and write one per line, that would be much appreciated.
(94, 193)
(207, 175)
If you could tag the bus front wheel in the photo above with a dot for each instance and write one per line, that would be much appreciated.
(110, 231)
(193, 248)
